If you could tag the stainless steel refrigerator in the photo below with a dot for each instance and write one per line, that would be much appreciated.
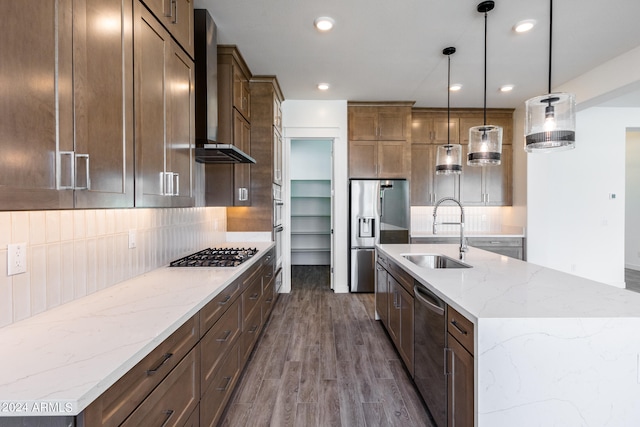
(378, 213)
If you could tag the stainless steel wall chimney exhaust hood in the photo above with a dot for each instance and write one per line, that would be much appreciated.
(211, 152)
(208, 149)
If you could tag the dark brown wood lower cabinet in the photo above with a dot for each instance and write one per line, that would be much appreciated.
(460, 411)
(217, 394)
(174, 400)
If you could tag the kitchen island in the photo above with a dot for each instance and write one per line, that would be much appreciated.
(59, 362)
(550, 348)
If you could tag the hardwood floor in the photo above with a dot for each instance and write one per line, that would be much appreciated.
(323, 360)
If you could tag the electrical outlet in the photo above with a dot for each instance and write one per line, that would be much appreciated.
(132, 239)
(16, 258)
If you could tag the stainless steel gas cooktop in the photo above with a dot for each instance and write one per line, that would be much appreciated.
(216, 257)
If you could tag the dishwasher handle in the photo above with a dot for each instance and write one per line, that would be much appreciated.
(431, 301)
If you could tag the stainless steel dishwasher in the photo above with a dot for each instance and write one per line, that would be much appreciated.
(430, 329)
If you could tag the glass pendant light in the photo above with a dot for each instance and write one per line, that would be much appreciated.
(550, 120)
(485, 142)
(449, 156)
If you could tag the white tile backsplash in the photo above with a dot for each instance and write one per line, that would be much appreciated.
(74, 253)
(478, 219)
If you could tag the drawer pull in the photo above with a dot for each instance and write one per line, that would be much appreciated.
(254, 296)
(269, 301)
(457, 326)
(226, 336)
(226, 300)
(253, 329)
(162, 361)
(228, 381)
(168, 413)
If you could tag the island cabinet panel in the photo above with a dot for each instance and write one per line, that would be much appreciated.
(395, 307)
(382, 293)
(164, 113)
(379, 140)
(460, 369)
(122, 398)
(175, 398)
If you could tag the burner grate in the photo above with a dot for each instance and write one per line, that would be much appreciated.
(216, 257)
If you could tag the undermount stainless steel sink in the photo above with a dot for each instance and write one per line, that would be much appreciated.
(435, 261)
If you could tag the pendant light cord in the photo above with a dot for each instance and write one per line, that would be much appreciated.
(448, 98)
(485, 69)
(550, 38)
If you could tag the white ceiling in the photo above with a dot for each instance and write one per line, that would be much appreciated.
(392, 50)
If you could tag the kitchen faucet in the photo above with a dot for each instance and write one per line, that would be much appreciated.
(463, 241)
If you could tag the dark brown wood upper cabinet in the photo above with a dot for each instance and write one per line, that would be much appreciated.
(67, 120)
(379, 140)
(164, 113)
(177, 17)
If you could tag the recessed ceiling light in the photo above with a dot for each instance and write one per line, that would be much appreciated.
(506, 88)
(323, 86)
(455, 87)
(324, 23)
(524, 26)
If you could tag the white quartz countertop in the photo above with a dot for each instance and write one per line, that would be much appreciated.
(58, 362)
(502, 287)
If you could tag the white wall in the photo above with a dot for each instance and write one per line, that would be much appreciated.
(574, 224)
(632, 201)
(312, 159)
(320, 120)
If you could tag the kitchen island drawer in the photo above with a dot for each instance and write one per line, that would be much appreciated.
(461, 328)
(404, 278)
(211, 312)
(218, 392)
(174, 400)
(218, 341)
(115, 404)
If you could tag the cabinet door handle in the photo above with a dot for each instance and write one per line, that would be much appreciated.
(226, 336)
(254, 296)
(168, 413)
(168, 183)
(161, 362)
(458, 327)
(176, 184)
(66, 170)
(448, 361)
(225, 300)
(228, 381)
(174, 11)
(253, 329)
(78, 184)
